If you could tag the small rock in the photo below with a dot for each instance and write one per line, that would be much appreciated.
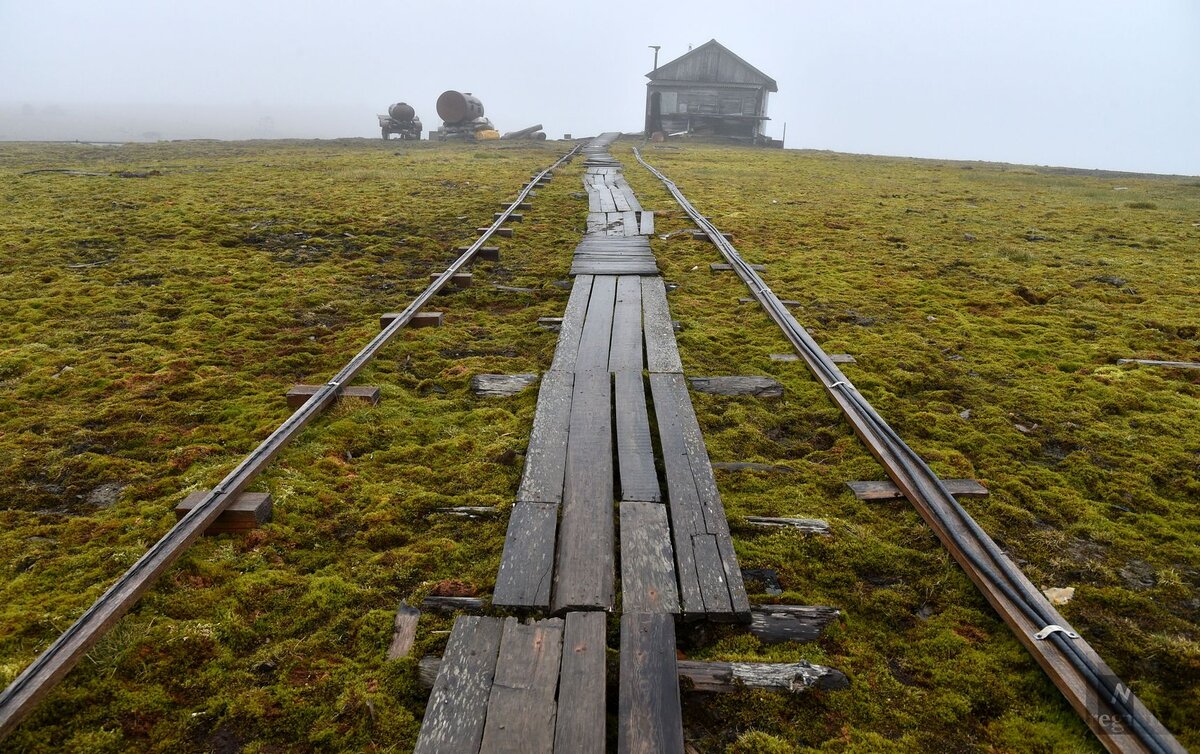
(964, 414)
(1138, 574)
(931, 318)
(105, 495)
(1059, 595)
(968, 236)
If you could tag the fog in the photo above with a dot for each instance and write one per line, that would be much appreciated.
(1097, 84)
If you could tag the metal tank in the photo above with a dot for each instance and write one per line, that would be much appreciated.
(402, 112)
(457, 107)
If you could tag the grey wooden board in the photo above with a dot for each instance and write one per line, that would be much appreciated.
(1155, 363)
(545, 458)
(594, 201)
(662, 353)
(709, 577)
(438, 603)
(635, 450)
(581, 686)
(521, 708)
(630, 224)
(583, 573)
(773, 624)
(625, 347)
(885, 490)
(759, 387)
(404, 631)
(457, 707)
(807, 525)
(572, 325)
(615, 268)
(836, 358)
(726, 677)
(527, 565)
(647, 223)
(649, 717)
(500, 385)
(597, 327)
(647, 561)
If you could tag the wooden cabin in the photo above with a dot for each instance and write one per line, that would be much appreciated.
(708, 90)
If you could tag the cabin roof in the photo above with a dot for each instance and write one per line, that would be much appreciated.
(726, 67)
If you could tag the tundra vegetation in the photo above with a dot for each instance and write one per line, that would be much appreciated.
(161, 298)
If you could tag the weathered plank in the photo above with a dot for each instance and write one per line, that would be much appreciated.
(709, 578)
(298, 395)
(457, 708)
(759, 387)
(885, 490)
(647, 563)
(807, 525)
(420, 319)
(572, 325)
(581, 686)
(1155, 363)
(404, 631)
(625, 348)
(773, 624)
(526, 567)
(442, 604)
(597, 328)
(726, 677)
(649, 718)
(545, 458)
(500, 385)
(629, 223)
(521, 708)
(836, 358)
(583, 573)
(635, 450)
(662, 353)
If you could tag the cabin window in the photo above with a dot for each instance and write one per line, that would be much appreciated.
(670, 102)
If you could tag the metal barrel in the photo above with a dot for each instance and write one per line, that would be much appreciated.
(402, 112)
(456, 107)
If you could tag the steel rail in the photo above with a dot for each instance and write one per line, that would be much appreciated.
(1116, 716)
(48, 668)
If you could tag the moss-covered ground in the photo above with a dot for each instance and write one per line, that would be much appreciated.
(153, 323)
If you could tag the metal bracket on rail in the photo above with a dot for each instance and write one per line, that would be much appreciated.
(842, 384)
(1054, 628)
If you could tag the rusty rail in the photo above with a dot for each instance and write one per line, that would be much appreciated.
(1113, 712)
(48, 668)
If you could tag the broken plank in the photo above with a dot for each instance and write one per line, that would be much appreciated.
(545, 457)
(649, 718)
(526, 566)
(581, 686)
(806, 525)
(501, 385)
(773, 624)
(726, 677)
(635, 450)
(662, 353)
(647, 562)
(521, 708)
(457, 708)
(885, 490)
(442, 604)
(404, 631)
(584, 569)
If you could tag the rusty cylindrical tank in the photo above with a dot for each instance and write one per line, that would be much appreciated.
(402, 112)
(456, 107)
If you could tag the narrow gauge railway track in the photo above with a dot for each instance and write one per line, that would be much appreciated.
(49, 667)
(1113, 712)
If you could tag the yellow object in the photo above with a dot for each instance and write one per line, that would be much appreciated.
(487, 134)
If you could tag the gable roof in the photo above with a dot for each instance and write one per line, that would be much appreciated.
(712, 61)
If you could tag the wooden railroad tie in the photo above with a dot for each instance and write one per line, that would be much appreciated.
(699, 235)
(248, 510)
(298, 395)
(759, 387)
(485, 253)
(459, 279)
(502, 232)
(420, 319)
(785, 302)
(722, 267)
(513, 217)
(523, 206)
(1156, 363)
(885, 490)
(836, 358)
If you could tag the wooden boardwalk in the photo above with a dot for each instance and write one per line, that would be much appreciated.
(590, 464)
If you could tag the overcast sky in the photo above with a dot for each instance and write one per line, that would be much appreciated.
(1096, 84)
